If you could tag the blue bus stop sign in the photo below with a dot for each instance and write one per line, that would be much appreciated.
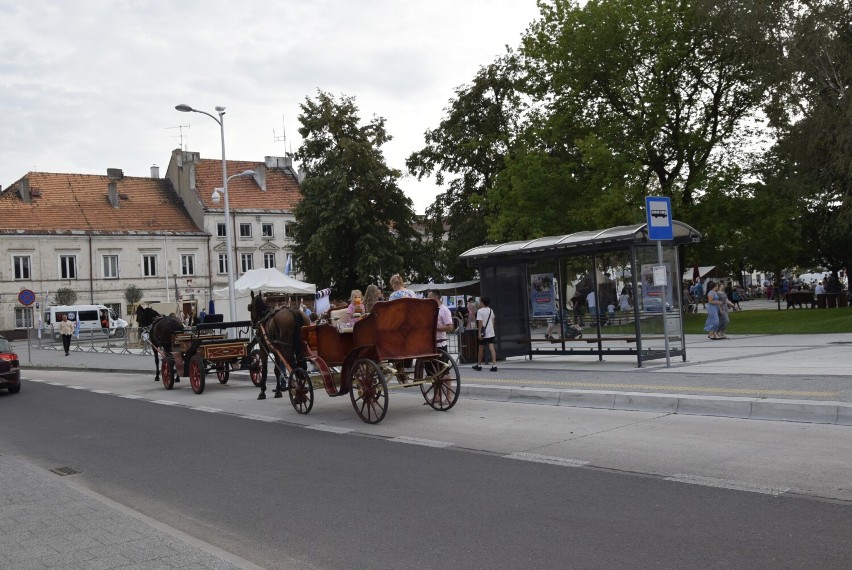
(658, 212)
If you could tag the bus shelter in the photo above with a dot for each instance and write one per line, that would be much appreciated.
(589, 293)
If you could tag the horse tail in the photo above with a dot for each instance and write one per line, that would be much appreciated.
(297, 339)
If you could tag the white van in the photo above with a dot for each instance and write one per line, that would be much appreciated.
(92, 318)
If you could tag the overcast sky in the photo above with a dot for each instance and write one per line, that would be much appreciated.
(87, 85)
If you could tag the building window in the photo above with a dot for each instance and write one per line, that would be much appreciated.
(22, 266)
(245, 230)
(223, 263)
(289, 230)
(246, 261)
(23, 317)
(269, 260)
(266, 230)
(220, 230)
(68, 267)
(110, 267)
(149, 265)
(187, 264)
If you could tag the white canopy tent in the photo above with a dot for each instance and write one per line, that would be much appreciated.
(265, 280)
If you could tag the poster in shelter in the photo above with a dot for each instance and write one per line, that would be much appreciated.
(542, 295)
(651, 294)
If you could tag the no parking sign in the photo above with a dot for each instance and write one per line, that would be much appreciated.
(26, 297)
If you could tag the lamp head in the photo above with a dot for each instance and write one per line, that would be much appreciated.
(215, 197)
(184, 108)
(220, 109)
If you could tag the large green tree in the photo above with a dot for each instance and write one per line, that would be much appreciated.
(354, 226)
(464, 154)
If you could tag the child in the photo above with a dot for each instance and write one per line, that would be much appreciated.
(356, 307)
(610, 313)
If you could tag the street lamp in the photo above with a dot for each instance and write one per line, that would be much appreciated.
(229, 238)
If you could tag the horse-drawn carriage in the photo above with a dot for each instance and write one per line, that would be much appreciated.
(396, 341)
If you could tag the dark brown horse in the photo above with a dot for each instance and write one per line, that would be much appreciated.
(282, 337)
(160, 329)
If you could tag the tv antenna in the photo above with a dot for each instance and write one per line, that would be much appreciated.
(180, 133)
(283, 136)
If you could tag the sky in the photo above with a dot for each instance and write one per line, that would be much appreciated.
(87, 85)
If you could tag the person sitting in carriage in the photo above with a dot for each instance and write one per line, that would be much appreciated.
(355, 310)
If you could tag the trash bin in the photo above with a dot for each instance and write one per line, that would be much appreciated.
(468, 346)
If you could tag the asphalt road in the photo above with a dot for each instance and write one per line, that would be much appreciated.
(284, 496)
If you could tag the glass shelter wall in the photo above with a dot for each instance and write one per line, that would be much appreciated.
(658, 307)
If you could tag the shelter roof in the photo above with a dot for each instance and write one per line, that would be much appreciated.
(466, 286)
(80, 203)
(579, 243)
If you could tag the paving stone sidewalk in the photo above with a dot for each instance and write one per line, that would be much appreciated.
(48, 523)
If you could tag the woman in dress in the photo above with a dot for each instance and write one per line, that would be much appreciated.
(711, 325)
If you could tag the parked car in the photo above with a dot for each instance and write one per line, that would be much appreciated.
(10, 367)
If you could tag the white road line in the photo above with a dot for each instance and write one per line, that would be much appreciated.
(101, 391)
(166, 402)
(423, 442)
(549, 459)
(130, 396)
(35, 380)
(260, 418)
(726, 484)
(330, 429)
(56, 383)
(78, 387)
(206, 409)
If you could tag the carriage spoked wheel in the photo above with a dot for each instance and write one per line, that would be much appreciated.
(255, 367)
(443, 392)
(223, 372)
(167, 369)
(301, 391)
(196, 374)
(369, 391)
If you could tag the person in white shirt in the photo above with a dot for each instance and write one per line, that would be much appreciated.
(591, 302)
(820, 289)
(485, 324)
(445, 320)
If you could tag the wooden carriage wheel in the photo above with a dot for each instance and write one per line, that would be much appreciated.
(167, 367)
(196, 374)
(369, 391)
(255, 367)
(443, 392)
(223, 372)
(301, 390)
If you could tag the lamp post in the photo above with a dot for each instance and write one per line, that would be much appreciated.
(229, 238)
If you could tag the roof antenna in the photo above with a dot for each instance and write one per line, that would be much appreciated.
(180, 133)
(283, 136)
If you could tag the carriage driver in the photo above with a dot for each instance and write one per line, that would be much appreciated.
(445, 320)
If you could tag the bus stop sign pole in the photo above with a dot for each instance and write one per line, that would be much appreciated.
(658, 214)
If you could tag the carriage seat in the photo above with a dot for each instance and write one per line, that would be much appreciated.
(341, 314)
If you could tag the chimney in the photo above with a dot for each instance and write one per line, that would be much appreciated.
(24, 190)
(260, 176)
(113, 194)
(115, 173)
(155, 171)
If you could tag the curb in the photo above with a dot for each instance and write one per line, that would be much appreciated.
(804, 411)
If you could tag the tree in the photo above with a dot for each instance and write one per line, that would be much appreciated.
(465, 153)
(65, 296)
(132, 294)
(354, 226)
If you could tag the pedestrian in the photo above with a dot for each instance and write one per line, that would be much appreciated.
(591, 303)
(699, 295)
(485, 324)
(372, 296)
(711, 325)
(724, 318)
(554, 320)
(577, 304)
(472, 307)
(399, 289)
(66, 329)
(202, 315)
(445, 320)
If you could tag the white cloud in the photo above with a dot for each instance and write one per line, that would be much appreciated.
(92, 84)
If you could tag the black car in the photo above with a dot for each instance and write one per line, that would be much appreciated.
(10, 368)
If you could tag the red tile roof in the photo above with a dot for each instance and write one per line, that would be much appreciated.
(79, 202)
(282, 191)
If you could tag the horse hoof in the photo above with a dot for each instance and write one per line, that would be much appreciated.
(278, 394)
(261, 396)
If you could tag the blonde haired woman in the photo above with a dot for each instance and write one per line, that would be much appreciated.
(399, 290)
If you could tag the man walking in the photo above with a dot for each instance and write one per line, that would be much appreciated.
(445, 320)
(485, 325)
(66, 329)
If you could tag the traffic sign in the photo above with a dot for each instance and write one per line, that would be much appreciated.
(26, 297)
(658, 213)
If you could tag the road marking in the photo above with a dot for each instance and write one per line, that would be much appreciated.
(536, 458)
(423, 442)
(35, 380)
(101, 391)
(260, 418)
(665, 388)
(131, 396)
(56, 383)
(166, 402)
(206, 409)
(78, 387)
(726, 484)
(330, 429)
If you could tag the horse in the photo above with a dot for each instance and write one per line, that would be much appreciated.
(160, 329)
(283, 327)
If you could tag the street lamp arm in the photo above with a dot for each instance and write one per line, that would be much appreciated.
(187, 109)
